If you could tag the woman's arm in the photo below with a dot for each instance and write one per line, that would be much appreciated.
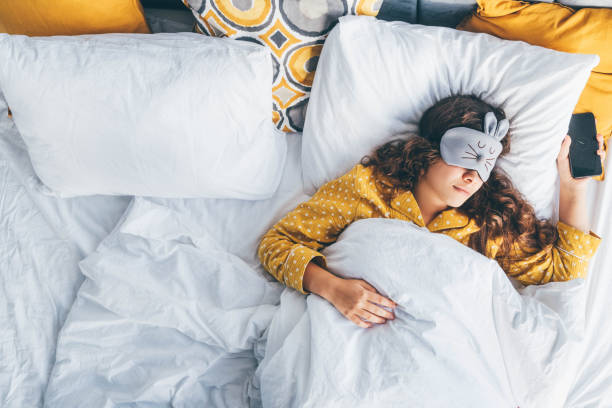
(569, 257)
(572, 208)
(319, 281)
(289, 251)
(572, 193)
(289, 246)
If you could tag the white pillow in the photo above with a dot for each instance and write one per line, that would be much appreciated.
(375, 79)
(172, 115)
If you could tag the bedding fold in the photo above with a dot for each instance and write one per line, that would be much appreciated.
(159, 319)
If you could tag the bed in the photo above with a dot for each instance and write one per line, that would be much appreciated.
(90, 317)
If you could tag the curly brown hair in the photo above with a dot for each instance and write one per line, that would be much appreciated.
(497, 207)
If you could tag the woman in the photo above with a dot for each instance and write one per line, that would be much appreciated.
(444, 180)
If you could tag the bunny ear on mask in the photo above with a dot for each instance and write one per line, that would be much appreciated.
(502, 129)
(496, 130)
(490, 124)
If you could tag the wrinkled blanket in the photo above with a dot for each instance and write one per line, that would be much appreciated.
(463, 336)
(168, 316)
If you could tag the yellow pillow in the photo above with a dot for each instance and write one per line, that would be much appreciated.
(555, 26)
(71, 17)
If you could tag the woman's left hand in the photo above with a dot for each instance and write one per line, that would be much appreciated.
(567, 181)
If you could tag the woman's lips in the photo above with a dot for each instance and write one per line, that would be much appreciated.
(461, 190)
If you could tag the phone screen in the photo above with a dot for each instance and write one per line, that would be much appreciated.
(583, 158)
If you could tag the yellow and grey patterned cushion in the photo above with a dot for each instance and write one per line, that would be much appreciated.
(293, 30)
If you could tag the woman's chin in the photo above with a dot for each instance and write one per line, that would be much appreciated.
(458, 202)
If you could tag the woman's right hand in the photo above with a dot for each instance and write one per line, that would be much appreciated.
(357, 299)
(354, 298)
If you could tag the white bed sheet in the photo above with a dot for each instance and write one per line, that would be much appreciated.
(42, 240)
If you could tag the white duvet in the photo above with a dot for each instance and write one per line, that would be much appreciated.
(168, 316)
(463, 336)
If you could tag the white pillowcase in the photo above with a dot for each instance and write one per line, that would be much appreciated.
(170, 115)
(375, 79)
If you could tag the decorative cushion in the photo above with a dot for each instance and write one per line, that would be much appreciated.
(71, 17)
(293, 31)
(552, 25)
(167, 115)
(376, 79)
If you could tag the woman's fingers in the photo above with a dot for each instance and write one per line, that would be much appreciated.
(379, 311)
(601, 151)
(381, 300)
(567, 141)
(358, 300)
(374, 303)
(371, 316)
(565, 145)
(375, 297)
(355, 319)
(600, 142)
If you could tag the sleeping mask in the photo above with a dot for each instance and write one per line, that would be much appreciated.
(474, 150)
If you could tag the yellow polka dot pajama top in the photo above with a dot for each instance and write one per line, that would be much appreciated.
(287, 248)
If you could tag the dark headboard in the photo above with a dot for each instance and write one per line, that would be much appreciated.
(169, 4)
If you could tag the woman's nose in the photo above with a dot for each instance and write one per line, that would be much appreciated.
(469, 176)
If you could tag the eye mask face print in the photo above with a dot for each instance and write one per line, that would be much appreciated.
(471, 149)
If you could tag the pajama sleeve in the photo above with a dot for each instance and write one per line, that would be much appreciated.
(287, 248)
(567, 259)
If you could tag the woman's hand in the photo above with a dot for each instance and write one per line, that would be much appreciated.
(572, 194)
(568, 183)
(356, 299)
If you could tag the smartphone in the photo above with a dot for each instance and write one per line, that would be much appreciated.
(583, 158)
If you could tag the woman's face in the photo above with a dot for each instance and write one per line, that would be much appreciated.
(452, 184)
